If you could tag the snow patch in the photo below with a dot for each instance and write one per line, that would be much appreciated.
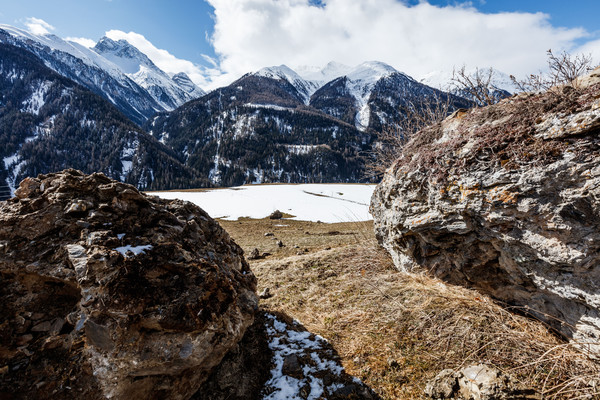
(127, 158)
(269, 106)
(14, 167)
(34, 103)
(136, 250)
(287, 341)
(302, 148)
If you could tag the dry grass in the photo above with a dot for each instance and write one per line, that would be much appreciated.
(396, 331)
(297, 236)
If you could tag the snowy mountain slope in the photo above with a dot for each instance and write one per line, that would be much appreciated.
(138, 96)
(328, 73)
(136, 65)
(361, 82)
(370, 94)
(49, 123)
(304, 87)
(258, 129)
(184, 82)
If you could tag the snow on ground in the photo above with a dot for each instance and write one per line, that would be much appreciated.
(304, 366)
(308, 202)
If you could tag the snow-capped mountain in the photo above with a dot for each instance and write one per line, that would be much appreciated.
(361, 82)
(183, 81)
(274, 126)
(305, 87)
(367, 95)
(139, 94)
(48, 123)
(324, 74)
(136, 65)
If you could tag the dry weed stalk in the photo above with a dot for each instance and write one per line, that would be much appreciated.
(563, 69)
(478, 85)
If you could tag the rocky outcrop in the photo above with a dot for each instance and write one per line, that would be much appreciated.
(506, 199)
(109, 293)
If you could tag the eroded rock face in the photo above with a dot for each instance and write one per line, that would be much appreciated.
(108, 293)
(506, 199)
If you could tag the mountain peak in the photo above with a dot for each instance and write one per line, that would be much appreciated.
(278, 72)
(283, 72)
(371, 70)
(123, 54)
(183, 81)
(328, 73)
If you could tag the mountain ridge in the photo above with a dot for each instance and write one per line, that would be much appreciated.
(139, 97)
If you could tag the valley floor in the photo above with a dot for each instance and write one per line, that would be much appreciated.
(396, 331)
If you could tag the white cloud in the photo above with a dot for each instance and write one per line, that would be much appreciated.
(166, 61)
(38, 26)
(250, 34)
(85, 42)
(591, 48)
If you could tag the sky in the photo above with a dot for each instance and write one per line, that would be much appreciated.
(217, 41)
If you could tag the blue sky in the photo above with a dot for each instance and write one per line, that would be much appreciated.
(181, 26)
(244, 35)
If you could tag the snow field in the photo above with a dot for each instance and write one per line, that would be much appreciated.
(329, 203)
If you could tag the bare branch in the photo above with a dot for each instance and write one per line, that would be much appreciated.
(563, 69)
(477, 86)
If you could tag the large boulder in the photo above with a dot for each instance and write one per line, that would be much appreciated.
(108, 293)
(506, 199)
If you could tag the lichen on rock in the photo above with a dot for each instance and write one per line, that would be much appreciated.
(506, 199)
(109, 293)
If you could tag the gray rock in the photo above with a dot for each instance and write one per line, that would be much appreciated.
(523, 230)
(443, 386)
(477, 382)
(276, 215)
(292, 367)
(153, 324)
(265, 294)
(254, 254)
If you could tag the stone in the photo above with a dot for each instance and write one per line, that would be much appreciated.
(292, 367)
(477, 382)
(133, 296)
(276, 215)
(443, 386)
(506, 200)
(245, 369)
(21, 340)
(265, 294)
(254, 254)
